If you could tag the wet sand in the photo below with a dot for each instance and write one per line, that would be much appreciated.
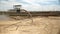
(40, 25)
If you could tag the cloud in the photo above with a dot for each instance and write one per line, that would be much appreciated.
(8, 4)
(31, 5)
(43, 8)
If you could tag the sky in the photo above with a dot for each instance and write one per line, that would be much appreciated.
(31, 5)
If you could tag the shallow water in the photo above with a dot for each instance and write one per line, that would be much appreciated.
(4, 17)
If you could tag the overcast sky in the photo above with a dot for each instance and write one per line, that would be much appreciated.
(31, 5)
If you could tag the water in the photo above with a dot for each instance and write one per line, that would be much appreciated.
(4, 17)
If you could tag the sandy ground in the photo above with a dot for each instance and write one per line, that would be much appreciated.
(40, 25)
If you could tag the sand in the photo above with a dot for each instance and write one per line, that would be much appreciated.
(40, 25)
